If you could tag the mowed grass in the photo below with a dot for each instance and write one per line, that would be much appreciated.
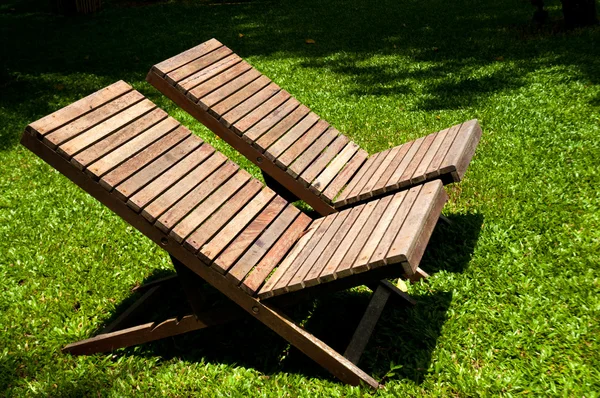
(513, 304)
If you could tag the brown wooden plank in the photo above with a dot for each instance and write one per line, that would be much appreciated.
(179, 210)
(101, 148)
(218, 220)
(419, 155)
(165, 200)
(419, 175)
(185, 57)
(128, 150)
(275, 255)
(143, 158)
(258, 114)
(405, 242)
(319, 164)
(378, 258)
(270, 120)
(281, 128)
(249, 105)
(197, 216)
(220, 241)
(169, 178)
(299, 130)
(367, 190)
(284, 268)
(311, 153)
(331, 171)
(312, 278)
(328, 273)
(342, 178)
(79, 108)
(228, 89)
(304, 143)
(356, 179)
(207, 73)
(197, 65)
(434, 166)
(393, 182)
(462, 150)
(106, 128)
(380, 185)
(353, 195)
(297, 282)
(283, 282)
(263, 243)
(218, 81)
(248, 235)
(89, 120)
(238, 97)
(361, 263)
(345, 267)
(138, 180)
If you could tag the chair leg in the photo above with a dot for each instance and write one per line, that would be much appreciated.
(418, 275)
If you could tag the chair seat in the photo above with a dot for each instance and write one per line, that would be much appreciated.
(195, 196)
(267, 124)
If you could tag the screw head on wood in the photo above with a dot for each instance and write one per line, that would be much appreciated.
(164, 241)
(259, 159)
(255, 309)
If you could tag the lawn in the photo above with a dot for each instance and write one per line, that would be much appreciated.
(513, 304)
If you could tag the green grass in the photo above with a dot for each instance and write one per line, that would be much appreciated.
(513, 305)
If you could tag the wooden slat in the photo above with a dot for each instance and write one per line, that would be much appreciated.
(79, 108)
(179, 60)
(228, 89)
(393, 182)
(434, 166)
(129, 149)
(334, 188)
(238, 97)
(275, 255)
(218, 81)
(366, 177)
(179, 210)
(248, 235)
(355, 180)
(379, 256)
(106, 128)
(258, 114)
(99, 149)
(381, 184)
(281, 128)
(405, 242)
(197, 65)
(229, 210)
(328, 273)
(367, 190)
(297, 282)
(362, 260)
(270, 120)
(419, 175)
(309, 155)
(417, 159)
(345, 267)
(89, 120)
(165, 200)
(207, 73)
(156, 168)
(304, 143)
(220, 241)
(216, 199)
(291, 137)
(169, 178)
(143, 158)
(249, 105)
(283, 269)
(312, 278)
(262, 244)
(281, 286)
(330, 172)
(460, 153)
(319, 164)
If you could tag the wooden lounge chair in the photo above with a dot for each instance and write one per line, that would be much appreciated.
(297, 151)
(222, 226)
